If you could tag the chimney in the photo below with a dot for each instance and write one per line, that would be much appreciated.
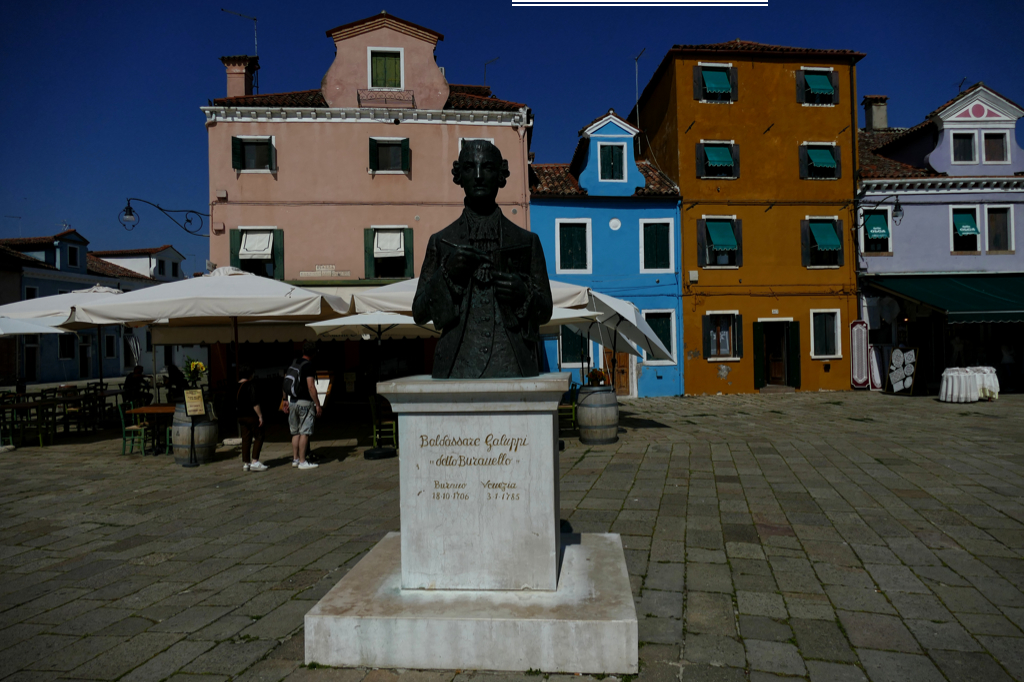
(875, 115)
(240, 74)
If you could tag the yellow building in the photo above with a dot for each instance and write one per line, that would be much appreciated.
(761, 141)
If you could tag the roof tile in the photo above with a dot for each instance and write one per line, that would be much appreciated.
(750, 46)
(127, 253)
(555, 180)
(98, 266)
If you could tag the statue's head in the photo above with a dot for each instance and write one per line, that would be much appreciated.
(480, 170)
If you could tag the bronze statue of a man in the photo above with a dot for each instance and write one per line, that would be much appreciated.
(484, 281)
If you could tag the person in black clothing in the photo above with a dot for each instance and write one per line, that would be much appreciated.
(250, 421)
(175, 383)
(136, 388)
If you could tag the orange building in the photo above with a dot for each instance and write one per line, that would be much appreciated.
(761, 141)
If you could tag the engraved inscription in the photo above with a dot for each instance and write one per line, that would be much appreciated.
(458, 491)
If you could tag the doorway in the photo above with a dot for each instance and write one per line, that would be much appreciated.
(776, 353)
(622, 381)
(85, 360)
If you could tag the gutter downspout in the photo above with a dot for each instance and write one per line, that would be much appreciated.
(855, 176)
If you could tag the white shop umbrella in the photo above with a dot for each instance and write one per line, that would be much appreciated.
(398, 297)
(381, 325)
(226, 296)
(625, 318)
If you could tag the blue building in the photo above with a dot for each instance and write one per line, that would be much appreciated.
(60, 264)
(609, 222)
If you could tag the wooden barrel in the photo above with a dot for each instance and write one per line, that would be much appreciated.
(597, 412)
(203, 429)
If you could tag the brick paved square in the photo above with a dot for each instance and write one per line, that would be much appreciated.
(746, 552)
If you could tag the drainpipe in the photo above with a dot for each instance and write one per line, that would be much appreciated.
(855, 178)
(521, 131)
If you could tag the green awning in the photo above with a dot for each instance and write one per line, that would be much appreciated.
(825, 237)
(821, 158)
(964, 298)
(718, 156)
(722, 237)
(964, 223)
(876, 225)
(818, 83)
(716, 81)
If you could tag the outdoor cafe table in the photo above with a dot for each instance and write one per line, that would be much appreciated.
(158, 411)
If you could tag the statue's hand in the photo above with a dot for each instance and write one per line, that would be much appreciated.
(463, 263)
(510, 288)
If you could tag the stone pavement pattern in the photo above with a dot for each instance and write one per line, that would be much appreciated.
(834, 537)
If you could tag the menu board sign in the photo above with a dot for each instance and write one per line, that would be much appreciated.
(195, 406)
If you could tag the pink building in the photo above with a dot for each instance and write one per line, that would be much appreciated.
(345, 183)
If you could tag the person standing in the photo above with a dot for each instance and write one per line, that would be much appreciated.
(250, 421)
(301, 404)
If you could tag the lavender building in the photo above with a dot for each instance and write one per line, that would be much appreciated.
(939, 204)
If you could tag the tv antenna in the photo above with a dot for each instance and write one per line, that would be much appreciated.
(485, 68)
(636, 75)
(256, 47)
(960, 88)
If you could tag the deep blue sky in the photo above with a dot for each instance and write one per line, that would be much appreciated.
(101, 100)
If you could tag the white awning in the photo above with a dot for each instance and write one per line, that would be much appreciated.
(257, 244)
(388, 243)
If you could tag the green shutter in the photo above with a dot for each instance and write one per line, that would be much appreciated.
(237, 154)
(759, 381)
(373, 154)
(235, 241)
(279, 254)
(661, 324)
(572, 346)
(617, 170)
(606, 163)
(573, 246)
(793, 355)
(393, 70)
(410, 263)
(377, 76)
(406, 156)
(368, 253)
(656, 246)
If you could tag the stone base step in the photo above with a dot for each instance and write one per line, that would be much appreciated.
(774, 388)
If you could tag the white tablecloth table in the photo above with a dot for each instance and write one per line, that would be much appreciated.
(968, 384)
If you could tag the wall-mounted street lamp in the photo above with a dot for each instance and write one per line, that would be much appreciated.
(129, 219)
(897, 210)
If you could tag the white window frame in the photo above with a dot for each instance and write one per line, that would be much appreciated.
(625, 165)
(839, 329)
(862, 233)
(713, 65)
(575, 365)
(672, 348)
(399, 140)
(369, 66)
(842, 239)
(107, 344)
(732, 341)
(1009, 227)
(952, 146)
(977, 221)
(728, 143)
(464, 140)
(806, 143)
(1006, 147)
(671, 247)
(731, 219)
(558, 247)
(378, 228)
(74, 250)
(273, 144)
(825, 69)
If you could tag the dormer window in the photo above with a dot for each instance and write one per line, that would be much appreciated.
(73, 256)
(964, 148)
(613, 167)
(385, 67)
(995, 148)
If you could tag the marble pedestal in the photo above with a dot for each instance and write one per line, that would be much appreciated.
(480, 576)
(587, 626)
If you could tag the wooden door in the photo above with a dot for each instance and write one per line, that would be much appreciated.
(622, 367)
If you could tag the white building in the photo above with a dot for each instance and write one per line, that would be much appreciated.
(162, 263)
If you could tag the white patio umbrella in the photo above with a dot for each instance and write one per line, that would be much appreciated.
(381, 325)
(56, 310)
(226, 297)
(626, 318)
(397, 298)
